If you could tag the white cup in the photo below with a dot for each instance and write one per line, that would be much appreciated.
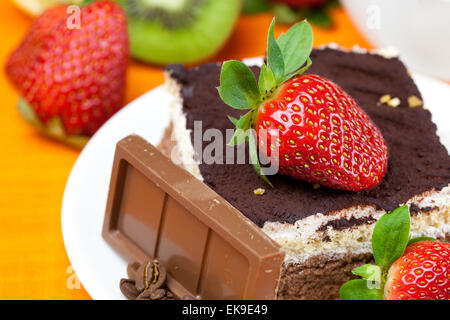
(418, 29)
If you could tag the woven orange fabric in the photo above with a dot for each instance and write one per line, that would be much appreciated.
(34, 169)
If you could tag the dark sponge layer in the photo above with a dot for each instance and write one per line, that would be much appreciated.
(319, 277)
(418, 162)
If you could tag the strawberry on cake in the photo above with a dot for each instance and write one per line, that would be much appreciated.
(349, 135)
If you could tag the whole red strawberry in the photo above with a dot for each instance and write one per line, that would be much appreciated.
(324, 137)
(306, 124)
(301, 3)
(72, 77)
(421, 273)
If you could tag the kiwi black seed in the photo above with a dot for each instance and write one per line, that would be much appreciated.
(178, 31)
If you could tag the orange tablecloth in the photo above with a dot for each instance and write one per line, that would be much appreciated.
(34, 170)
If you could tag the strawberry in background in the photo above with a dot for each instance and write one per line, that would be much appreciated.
(71, 80)
(291, 11)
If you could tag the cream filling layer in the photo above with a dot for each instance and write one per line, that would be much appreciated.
(305, 238)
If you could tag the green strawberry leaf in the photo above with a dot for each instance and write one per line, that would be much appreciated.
(238, 87)
(53, 128)
(299, 71)
(244, 121)
(332, 4)
(28, 113)
(390, 236)
(358, 289)
(287, 15)
(296, 45)
(303, 69)
(266, 81)
(239, 137)
(233, 120)
(274, 56)
(418, 239)
(368, 272)
(253, 150)
(320, 17)
(255, 6)
(242, 125)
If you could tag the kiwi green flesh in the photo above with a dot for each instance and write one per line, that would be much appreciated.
(205, 30)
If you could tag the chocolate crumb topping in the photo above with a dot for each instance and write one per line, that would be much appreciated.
(418, 162)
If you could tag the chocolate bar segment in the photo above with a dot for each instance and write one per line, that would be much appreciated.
(156, 210)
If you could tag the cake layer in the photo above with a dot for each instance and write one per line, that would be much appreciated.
(419, 165)
(320, 278)
(350, 230)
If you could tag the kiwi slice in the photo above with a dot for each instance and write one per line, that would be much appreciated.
(178, 31)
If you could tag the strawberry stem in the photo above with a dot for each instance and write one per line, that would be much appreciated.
(287, 57)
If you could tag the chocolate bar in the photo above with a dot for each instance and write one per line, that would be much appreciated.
(157, 210)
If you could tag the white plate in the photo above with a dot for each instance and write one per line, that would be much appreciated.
(98, 266)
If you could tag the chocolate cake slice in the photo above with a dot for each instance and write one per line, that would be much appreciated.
(325, 232)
